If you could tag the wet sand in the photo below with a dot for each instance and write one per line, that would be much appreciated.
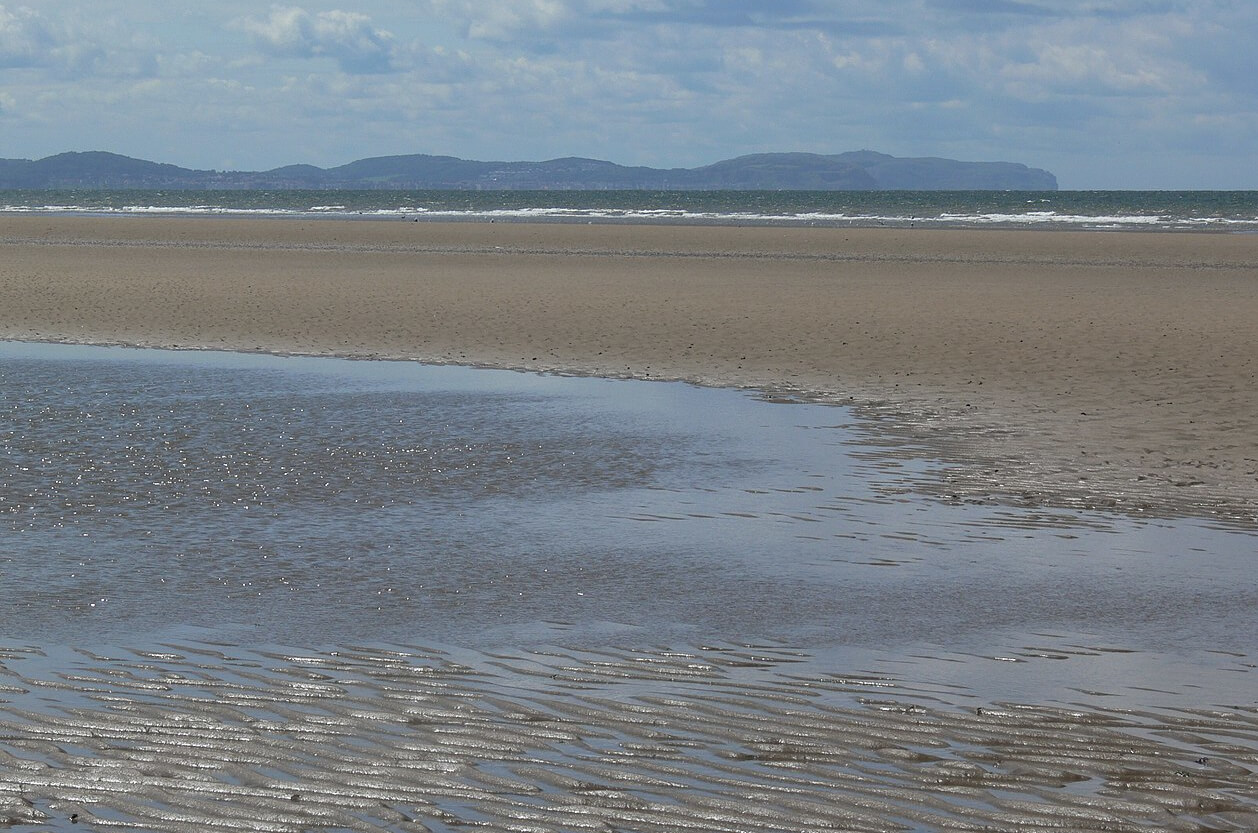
(1099, 370)
(189, 736)
(1106, 370)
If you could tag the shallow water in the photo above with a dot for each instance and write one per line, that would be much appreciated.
(308, 501)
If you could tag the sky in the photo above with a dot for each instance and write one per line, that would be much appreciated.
(1134, 94)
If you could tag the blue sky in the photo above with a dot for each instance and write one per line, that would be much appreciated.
(1104, 93)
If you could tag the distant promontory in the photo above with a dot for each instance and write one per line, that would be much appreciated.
(862, 170)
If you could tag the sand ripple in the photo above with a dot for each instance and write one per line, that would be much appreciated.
(195, 736)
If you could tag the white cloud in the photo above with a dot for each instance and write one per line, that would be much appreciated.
(349, 38)
(525, 20)
(70, 47)
(1054, 83)
(26, 38)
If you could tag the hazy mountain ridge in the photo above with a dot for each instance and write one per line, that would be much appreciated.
(853, 171)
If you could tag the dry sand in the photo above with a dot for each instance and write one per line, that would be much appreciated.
(1105, 370)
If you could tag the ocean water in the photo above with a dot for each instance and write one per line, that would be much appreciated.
(1217, 211)
(259, 500)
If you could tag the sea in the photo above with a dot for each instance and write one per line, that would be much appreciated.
(1219, 211)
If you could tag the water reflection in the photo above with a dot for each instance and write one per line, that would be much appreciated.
(319, 501)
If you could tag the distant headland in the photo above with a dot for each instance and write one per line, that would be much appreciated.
(862, 170)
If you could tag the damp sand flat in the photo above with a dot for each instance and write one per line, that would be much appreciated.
(520, 602)
(1090, 674)
(1091, 369)
(189, 737)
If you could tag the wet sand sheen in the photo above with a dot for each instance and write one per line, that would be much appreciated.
(1086, 369)
(185, 736)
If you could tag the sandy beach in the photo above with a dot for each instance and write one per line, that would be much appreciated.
(1082, 369)
(1048, 369)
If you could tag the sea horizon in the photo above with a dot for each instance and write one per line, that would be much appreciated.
(1181, 211)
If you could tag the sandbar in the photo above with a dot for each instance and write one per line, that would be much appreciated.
(1096, 370)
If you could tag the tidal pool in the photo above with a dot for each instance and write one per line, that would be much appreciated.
(314, 501)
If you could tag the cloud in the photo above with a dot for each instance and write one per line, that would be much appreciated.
(68, 48)
(1097, 86)
(349, 38)
(525, 20)
(26, 39)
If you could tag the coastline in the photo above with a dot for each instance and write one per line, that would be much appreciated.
(1095, 370)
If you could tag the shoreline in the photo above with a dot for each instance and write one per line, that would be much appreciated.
(766, 222)
(1105, 370)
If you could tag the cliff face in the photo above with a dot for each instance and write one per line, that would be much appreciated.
(854, 171)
